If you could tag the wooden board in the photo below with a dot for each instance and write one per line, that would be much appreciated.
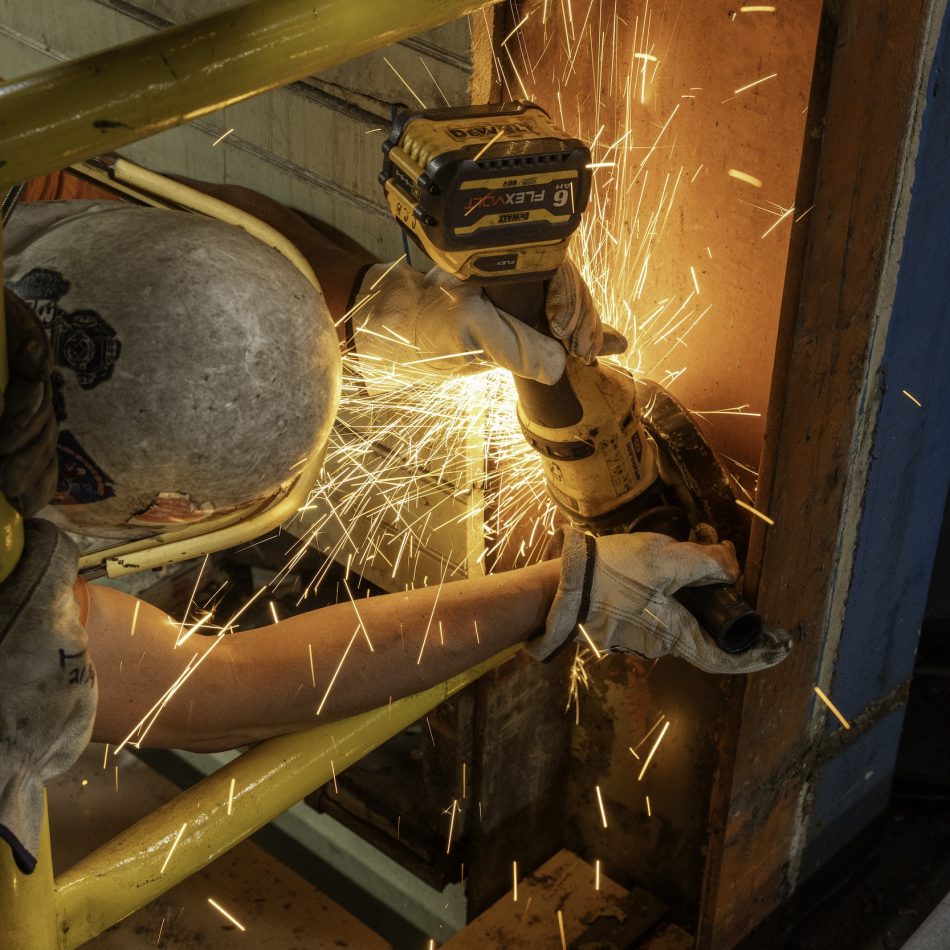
(824, 431)
(565, 883)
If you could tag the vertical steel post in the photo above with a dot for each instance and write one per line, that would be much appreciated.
(27, 901)
(11, 526)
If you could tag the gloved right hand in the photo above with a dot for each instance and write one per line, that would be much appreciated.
(28, 427)
(620, 587)
(435, 322)
(49, 692)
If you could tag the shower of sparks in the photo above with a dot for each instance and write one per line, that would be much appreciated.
(593, 646)
(117, 780)
(435, 603)
(135, 617)
(273, 611)
(336, 672)
(778, 220)
(359, 619)
(649, 809)
(142, 727)
(160, 929)
(105, 756)
(751, 85)
(171, 850)
(560, 927)
(652, 752)
(746, 177)
(412, 91)
(650, 732)
(313, 672)
(231, 796)
(464, 796)
(435, 82)
(837, 712)
(419, 463)
(222, 911)
(515, 30)
(597, 875)
(913, 399)
(754, 511)
(600, 805)
(757, 9)
(191, 630)
(732, 411)
(578, 678)
(191, 599)
(488, 144)
(514, 881)
(221, 138)
(453, 810)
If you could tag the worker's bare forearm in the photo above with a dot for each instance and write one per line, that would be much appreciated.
(259, 683)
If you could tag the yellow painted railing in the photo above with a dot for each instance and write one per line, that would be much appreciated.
(126, 873)
(11, 526)
(72, 112)
(92, 105)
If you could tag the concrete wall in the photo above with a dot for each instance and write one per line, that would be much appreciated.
(313, 145)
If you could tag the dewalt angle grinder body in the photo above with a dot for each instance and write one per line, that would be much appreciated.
(493, 194)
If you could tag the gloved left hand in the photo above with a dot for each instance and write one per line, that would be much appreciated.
(28, 427)
(49, 692)
(435, 322)
(620, 588)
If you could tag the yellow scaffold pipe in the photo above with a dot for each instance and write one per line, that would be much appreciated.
(75, 110)
(138, 865)
(11, 525)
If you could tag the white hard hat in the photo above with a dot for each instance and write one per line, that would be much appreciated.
(196, 369)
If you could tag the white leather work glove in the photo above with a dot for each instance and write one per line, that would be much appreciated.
(620, 588)
(435, 322)
(49, 692)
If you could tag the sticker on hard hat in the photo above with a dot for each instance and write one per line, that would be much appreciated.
(81, 481)
(173, 507)
(81, 340)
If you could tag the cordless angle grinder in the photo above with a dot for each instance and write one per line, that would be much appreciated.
(492, 194)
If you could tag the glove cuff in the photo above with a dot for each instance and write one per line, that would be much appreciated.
(572, 600)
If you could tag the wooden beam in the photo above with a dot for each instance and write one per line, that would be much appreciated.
(823, 427)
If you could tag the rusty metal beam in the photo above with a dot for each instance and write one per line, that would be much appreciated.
(834, 426)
